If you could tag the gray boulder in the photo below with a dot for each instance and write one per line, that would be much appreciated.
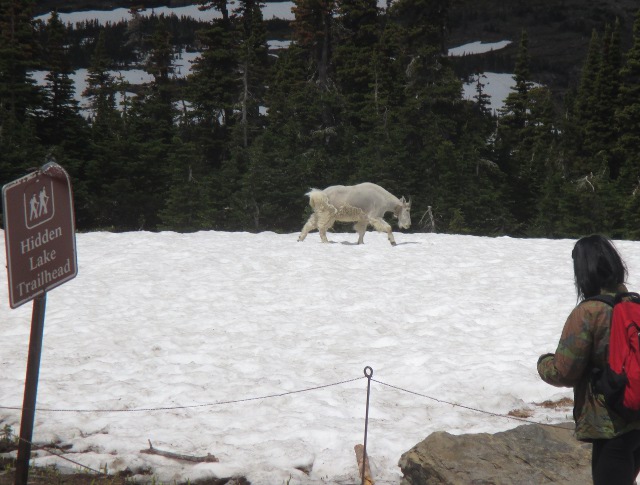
(526, 455)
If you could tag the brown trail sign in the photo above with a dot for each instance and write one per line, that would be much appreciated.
(39, 233)
(40, 240)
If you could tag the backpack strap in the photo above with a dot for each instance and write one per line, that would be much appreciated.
(608, 299)
(631, 295)
(612, 300)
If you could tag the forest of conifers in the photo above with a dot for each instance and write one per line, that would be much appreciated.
(360, 95)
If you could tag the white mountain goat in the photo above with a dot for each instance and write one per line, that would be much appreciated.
(365, 204)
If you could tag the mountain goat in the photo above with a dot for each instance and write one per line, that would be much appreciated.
(365, 204)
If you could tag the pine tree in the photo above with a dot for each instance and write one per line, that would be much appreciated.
(101, 90)
(313, 31)
(586, 96)
(483, 193)
(357, 89)
(513, 139)
(426, 117)
(105, 179)
(189, 204)
(286, 158)
(313, 26)
(17, 57)
(19, 97)
(358, 38)
(214, 86)
(515, 109)
(482, 99)
(628, 124)
(150, 138)
(611, 80)
(254, 72)
(596, 103)
(254, 68)
(628, 114)
(62, 129)
(61, 114)
(609, 86)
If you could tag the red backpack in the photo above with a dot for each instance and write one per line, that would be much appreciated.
(619, 381)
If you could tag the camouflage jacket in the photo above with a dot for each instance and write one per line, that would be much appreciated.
(582, 348)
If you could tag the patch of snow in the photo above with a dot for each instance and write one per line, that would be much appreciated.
(477, 47)
(252, 347)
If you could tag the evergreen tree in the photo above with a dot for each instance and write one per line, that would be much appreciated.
(214, 87)
(544, 165)
(357, 41)
(254, 68)
(105, 178)
(600, 133)
(214, 91)
(300, 145)
(611, 80)
(514, 138)
(313, 26)
(356, 101)
(628, 124)
(150, 138)
(608, 86)
(628, 114)
(313, 31)
(17, 57)
(425, 121)
(482, 196)
(579, 194)
(595, 104)
(287, 158)
(587, 94)
(482, 99)
(19, 96)
(515, 110)
(62, 130)
(101, 91)
(189, 204)
(60, 106)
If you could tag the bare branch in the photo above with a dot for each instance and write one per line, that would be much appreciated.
(584, 182)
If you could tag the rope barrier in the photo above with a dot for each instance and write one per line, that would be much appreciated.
(281, 394)
(48, 450)
(442, 401)
(368, 374)
(192, 406)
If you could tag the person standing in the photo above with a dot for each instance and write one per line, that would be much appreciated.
(598, 269)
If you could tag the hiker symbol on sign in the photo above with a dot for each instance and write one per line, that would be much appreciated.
(39, 204)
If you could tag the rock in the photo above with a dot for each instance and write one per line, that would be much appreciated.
(527, 455)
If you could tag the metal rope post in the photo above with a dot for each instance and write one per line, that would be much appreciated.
(368, 373)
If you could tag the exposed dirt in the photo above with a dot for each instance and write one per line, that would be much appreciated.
(564, 402)
(53, 476)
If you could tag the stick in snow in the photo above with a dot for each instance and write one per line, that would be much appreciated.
(363, 462)
(178, 456)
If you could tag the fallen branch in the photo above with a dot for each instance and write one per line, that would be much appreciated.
(178, 456)
(363, 462)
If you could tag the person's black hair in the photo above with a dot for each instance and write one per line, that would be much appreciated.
(597, 266)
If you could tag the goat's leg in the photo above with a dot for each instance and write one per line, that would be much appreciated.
(381, 225)
(312, 223)
(325, 221)
(361, 227)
